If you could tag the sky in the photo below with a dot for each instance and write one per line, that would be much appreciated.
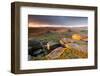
(56, 21)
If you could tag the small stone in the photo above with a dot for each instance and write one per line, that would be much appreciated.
(86, 39)
(76, 37)
(55, 53)
(76, 46)
(66, 40)
(52, 45)
(34, 44)
(37, 52)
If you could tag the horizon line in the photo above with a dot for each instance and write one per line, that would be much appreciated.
(61, 26)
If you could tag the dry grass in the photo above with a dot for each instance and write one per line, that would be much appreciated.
(71, 53)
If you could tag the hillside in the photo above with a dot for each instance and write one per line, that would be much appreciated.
(47, 43)
(37, 31)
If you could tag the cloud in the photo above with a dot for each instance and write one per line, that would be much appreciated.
(56, 21)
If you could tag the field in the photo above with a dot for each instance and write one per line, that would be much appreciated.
(49, 43)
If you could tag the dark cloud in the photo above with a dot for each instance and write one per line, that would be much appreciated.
(58, 20)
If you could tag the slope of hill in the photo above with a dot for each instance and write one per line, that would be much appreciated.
(47, 43)
(36, 31)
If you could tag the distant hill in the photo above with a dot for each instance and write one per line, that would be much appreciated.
(42, 30)
(36, 31)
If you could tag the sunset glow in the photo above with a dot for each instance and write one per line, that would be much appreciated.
(32, 24)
